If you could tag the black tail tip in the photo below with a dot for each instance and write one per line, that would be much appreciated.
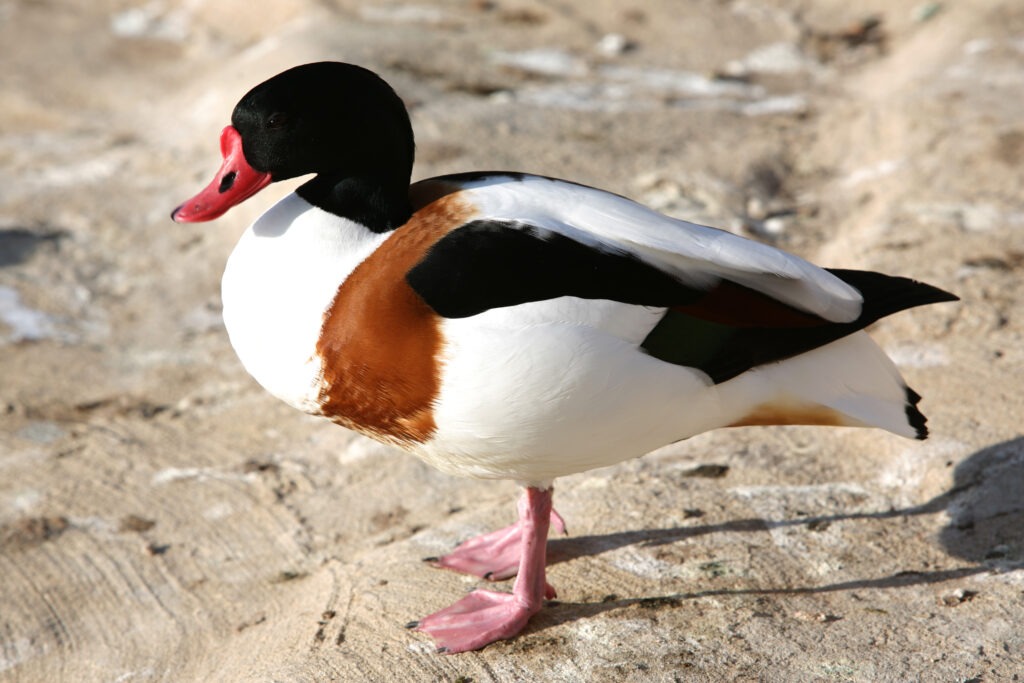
(915, 417)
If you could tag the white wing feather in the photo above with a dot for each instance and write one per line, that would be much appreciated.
(696, 254)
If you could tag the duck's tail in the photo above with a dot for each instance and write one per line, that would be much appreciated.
(849, 382)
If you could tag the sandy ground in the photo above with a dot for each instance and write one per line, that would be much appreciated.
(163, 519)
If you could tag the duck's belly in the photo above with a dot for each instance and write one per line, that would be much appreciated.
(534, 400)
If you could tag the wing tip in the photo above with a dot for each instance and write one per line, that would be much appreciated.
(887, 294)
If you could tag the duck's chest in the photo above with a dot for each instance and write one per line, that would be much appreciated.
(278, 284)
(320, 313)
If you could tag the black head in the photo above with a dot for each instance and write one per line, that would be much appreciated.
(326, 117)
(339, 121)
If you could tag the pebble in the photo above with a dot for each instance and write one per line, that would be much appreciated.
(613, 44)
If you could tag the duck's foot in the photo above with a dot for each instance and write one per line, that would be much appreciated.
(494, 556)
(478, 619)
(483, 617)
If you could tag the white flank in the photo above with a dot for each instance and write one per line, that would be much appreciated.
(553, 398)
(541, 390)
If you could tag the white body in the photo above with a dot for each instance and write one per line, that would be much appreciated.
(540, 390)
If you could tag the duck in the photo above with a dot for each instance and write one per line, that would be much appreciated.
(503, 325)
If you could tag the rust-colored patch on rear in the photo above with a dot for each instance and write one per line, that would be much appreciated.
(731, 304)
(381, 343)
(794, 414)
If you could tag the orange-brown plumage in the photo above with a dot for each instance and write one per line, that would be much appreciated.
(785, 413)
(381, 343)
(731, 304)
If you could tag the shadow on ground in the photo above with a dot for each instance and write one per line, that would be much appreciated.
(18, 245)
(985, 507)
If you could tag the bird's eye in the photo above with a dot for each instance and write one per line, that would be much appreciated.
(277, 120)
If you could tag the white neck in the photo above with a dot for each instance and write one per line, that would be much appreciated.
(279, 281)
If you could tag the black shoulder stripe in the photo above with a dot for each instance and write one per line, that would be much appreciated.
(489, 264)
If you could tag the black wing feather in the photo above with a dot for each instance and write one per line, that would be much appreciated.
(489, 264)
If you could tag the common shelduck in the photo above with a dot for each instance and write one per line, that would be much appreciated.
(511, 326)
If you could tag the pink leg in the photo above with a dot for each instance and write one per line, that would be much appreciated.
(494, 556)
(483, 617)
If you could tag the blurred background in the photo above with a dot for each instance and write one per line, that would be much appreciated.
(163, 519)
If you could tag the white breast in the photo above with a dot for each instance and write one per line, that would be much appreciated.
(278, 282)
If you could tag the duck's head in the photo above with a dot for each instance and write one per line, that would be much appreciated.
(339, 121)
